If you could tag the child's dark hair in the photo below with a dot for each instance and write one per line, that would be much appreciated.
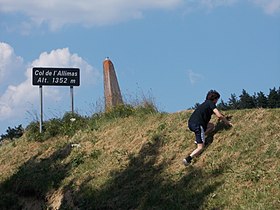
(212, 95)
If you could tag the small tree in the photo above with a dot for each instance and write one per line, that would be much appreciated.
(12, 133)
(273, 98)
(233, 102)
(223, 106)
(261, 100)
(246, 101)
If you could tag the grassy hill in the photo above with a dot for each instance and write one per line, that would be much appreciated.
(135, 162)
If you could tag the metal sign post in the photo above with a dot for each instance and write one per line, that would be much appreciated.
(55, 77)
(41, 108)
(72, 98)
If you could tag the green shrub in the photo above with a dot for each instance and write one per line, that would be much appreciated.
(12, 133)
(95, 121)
(33, 132)
(127, 110)
(120, 111)
(68, 125)
(72, 122)
(146, 108)
(52, 128)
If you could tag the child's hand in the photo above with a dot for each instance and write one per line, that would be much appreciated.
(228, 118)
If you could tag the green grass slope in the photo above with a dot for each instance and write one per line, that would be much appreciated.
(136, 163)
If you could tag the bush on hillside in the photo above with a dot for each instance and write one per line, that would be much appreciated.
(13, 133)
(33, 132)
(120, 111)
(70, 123)
(146, 107)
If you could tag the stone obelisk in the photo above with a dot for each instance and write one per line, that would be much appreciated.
(112, 90)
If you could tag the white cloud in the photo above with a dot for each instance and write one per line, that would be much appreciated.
(269, 6)
(9, 62)
(57, 13)
(194, 77)
(210, 4)
(87, 12)
(192, 5)
(16, 99)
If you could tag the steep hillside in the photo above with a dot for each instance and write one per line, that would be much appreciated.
(136, 163)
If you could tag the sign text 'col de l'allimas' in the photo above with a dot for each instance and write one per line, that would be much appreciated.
(55, 76)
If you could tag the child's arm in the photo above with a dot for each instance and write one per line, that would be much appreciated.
(221, 117)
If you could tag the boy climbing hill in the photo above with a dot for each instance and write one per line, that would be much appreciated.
(199, 122)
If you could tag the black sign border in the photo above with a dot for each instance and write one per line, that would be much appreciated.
(50, 78)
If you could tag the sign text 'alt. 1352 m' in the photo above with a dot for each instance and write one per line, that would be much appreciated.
(56, 76)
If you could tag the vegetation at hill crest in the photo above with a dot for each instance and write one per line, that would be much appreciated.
(133, 161)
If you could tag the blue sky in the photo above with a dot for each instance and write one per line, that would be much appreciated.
(171, 50)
